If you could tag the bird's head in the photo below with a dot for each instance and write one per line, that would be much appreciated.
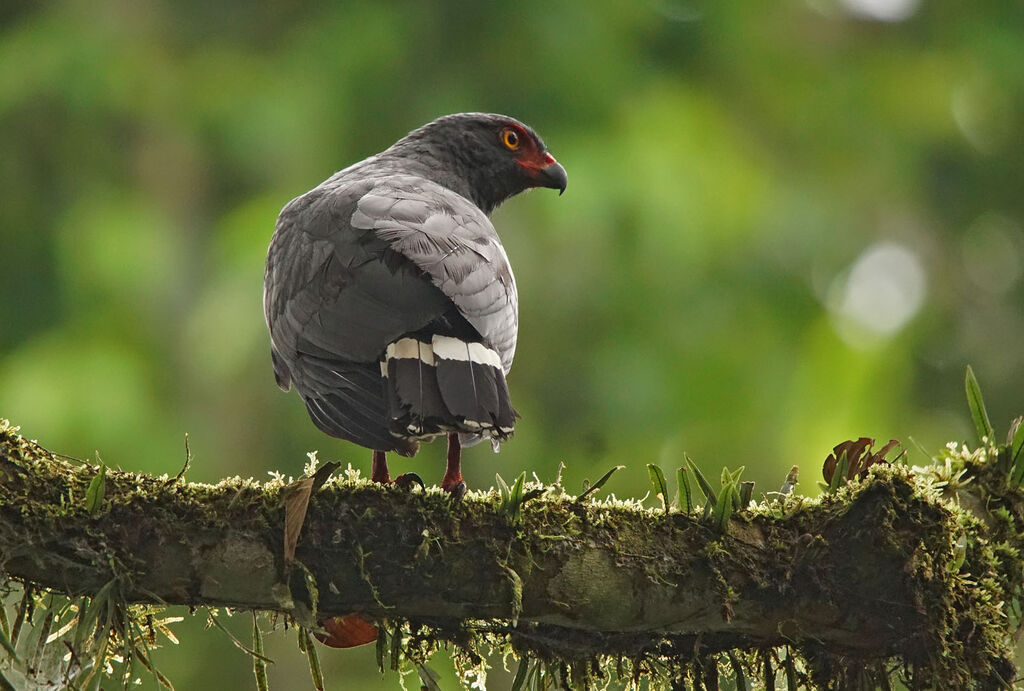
(492, 157)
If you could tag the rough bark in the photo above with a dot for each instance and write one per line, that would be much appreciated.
(863, 575)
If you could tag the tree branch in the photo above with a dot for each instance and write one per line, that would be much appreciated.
(869, 573)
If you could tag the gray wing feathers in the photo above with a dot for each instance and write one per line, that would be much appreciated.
(281, 279)
(327, 292)
(454, 243)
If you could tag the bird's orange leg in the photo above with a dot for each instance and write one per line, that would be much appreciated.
(379, 470)
(452, 481)
(379, 473)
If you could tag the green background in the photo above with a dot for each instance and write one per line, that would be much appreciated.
(786, 225)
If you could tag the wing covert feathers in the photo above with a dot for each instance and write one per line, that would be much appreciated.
(453, 242)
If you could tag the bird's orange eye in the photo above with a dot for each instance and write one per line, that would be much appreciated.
(510, 138)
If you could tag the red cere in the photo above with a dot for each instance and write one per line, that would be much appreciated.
(535, 160)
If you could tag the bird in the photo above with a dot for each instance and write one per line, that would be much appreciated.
(390, 300)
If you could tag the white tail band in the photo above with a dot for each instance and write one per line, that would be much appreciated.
(448, 348)
(409, 348)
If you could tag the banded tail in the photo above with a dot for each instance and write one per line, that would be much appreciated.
(444, 385)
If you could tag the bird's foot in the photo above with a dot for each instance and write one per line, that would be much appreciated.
(407, 480)
(457, 490)
(452, 481)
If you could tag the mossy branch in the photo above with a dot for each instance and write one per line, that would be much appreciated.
(881, 570)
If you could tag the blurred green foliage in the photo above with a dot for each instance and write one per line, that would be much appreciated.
(786, 226)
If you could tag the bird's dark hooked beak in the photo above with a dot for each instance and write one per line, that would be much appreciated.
(553, 176)
(546, 173)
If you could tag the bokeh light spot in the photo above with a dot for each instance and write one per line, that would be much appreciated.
(881, 10)
(882, 291)
(991, 250)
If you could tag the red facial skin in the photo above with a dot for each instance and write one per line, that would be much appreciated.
(537, 161)
(528, 155)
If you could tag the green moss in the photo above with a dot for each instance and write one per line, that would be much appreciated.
(961, 577)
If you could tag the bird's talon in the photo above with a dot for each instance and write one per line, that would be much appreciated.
(407, 480)
(458, 491)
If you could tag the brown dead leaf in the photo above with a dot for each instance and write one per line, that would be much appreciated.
(296, 502)
(859, 458)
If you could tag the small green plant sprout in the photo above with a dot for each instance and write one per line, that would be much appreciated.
(658, 480)
(977, 405)
(1014, 451)
(684, 494)
(1009, 456)
(259, 665)
(718, 506)
(728, 498)
(710, 497)
(746, 493)
(851, 459)
(511, 499)
(307, 647)
(97, 488)
(587, 491)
